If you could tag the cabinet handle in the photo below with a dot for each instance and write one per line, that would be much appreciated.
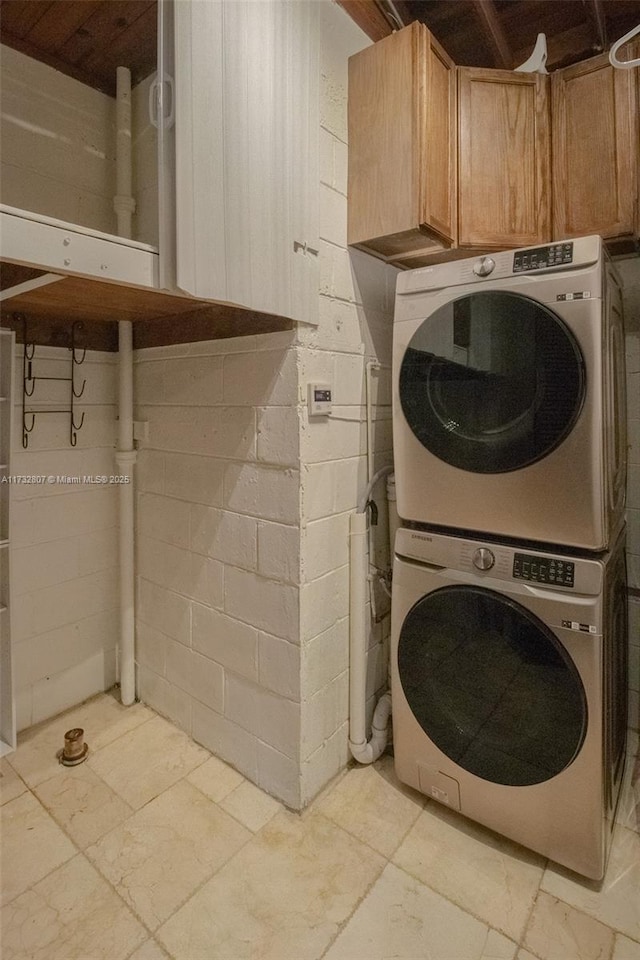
(154, 102)
(301, 246)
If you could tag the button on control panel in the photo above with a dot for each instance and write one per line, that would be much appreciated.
(553, 255)
(543, 570)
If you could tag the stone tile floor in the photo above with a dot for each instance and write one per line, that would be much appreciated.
(154, 849)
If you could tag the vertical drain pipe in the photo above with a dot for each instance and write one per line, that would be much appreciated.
(124, 206)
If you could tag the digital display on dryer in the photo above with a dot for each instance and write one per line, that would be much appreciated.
(543, 570)
(553, 255)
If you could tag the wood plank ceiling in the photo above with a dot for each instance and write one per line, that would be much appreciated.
(86, 39)
(502, 33)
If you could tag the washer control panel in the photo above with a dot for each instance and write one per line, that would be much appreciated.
(543, 569)
(553, 255)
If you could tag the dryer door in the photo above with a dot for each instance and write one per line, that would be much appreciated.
(492, 687)
(492, 382)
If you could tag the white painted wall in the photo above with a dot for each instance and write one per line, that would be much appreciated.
(64, 558)
(630, 273)
(58, 144)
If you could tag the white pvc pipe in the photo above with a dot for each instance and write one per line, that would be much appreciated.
(123, 202)
(124, 205)
(125, 459)
(362, 750)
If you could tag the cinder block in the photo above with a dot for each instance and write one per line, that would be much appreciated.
(279, 551)
(196, 479)
(279, 775)
(325, 157)
(279, 435)
(325, 763)
(263, 378)
(333, 216)
(263, 603)
(163, 518)
(151, 648)
(323, 602)
(181, 571)
(164, 610)
(268, 716)
(225, 432)
(225, 640)
(58, 692)
(150, 471)
(325, 657)
(226, 739)
(325, 546)
(325, 713)
(279, 666)
(166, 698)
(56, 651)
(332, 438)
(271, 493)
(225, 536)
(193, 381)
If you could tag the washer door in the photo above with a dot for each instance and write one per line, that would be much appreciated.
(491, 686)
(492, 382)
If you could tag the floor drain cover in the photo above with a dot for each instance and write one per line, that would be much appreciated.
(75, 750)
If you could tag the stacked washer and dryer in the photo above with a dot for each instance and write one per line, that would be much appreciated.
(509, 616)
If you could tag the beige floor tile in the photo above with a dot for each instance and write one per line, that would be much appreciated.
(403, 919)
(487, 875)
(558, 932)
(147, 761)
(82, 803)
(282, 897)
(525, 955)
(103, 720)
(31, 844)
(373, 805)
(151, 950)
(625, 949)
(251, 806)
(614, 902)
(215, 779)
(11, 786)
(160, 855)
(70, 915)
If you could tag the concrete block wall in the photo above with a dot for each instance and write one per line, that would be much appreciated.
(356, 313)
(218, 549)
(64, 536)
(58, 144)
(630, 272)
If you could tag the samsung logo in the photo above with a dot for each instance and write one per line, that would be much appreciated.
(421, 536)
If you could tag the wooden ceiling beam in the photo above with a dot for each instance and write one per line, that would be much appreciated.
(368, 16)
(494, 33)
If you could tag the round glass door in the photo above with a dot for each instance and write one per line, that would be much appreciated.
(492, 382)
(491, 686)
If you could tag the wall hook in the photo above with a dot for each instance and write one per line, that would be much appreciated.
(77, 325)
(73, 427)
(27, 430)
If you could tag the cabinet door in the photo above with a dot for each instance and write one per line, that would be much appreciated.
(595, 150)
(504, 158)
(247, 118)
(401, 145)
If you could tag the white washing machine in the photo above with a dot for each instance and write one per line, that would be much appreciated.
(509, 687)
(509, 395)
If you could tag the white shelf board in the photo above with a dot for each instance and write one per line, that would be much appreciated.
(70, 249)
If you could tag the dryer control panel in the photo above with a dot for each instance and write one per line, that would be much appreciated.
(541, 569)
(539, 258)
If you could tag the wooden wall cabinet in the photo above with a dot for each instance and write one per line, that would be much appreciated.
(595, 151)
(504, 159)
(402, 146)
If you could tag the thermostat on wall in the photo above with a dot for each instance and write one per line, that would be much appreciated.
(319, 399)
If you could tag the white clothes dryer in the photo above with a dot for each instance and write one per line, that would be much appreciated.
(509, 688)
(509, 408)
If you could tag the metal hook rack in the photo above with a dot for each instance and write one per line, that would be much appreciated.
(29, 383)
